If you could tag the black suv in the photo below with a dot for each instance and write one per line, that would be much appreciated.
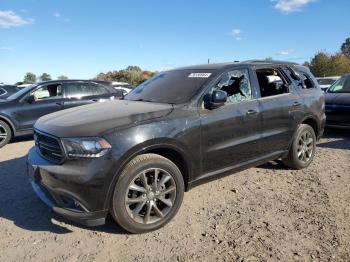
(19, 111)
(7, 90)
(134, 158)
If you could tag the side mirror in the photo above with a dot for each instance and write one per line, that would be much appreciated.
(215, 99)
(29, 99)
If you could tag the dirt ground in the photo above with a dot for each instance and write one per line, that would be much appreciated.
(261, 214)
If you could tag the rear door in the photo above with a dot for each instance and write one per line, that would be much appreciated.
(84, 93)
(278, 104)
(78, 94)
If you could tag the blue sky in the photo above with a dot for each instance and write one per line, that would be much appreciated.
(80, 38)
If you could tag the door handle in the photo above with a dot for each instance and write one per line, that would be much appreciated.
(94, 100)
(296, 103)
(252, 112)
(59, 103)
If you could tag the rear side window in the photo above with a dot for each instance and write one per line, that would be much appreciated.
(99, 89)
(79, 90)
(306, 80)
(271, 82)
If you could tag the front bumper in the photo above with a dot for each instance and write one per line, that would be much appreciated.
(81, 217)
(76, 191)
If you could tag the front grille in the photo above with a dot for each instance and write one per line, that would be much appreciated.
(49, 147)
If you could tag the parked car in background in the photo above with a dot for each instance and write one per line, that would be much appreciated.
(19, 111)
(22, 85)
(338, 103)
(134, 158)
(326, 82)
(125, 87)
(7, 90)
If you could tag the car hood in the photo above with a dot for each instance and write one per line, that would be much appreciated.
(98, 118)
(337, 99)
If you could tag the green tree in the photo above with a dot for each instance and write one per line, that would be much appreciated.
(29, 78)
(324, 64)
(45, 77)
(132, 74)
(133, 68)
(345, 48)
(62, 77)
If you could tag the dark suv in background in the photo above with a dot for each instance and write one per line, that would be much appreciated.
(19, 111)
(134, 158)
(7, 90)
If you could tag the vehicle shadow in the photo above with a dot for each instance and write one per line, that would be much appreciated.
(340, 139)
(274, 165)
(22, 139)
(19, 204)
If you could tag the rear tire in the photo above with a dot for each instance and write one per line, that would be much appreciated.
(148, 193)
(5, 133)
(302, 150)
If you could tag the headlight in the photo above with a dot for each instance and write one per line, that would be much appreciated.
(89, 147)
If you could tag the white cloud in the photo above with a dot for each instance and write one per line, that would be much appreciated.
(11, 19)
(236, 33)
(61, 18)
(285, 52)
(5, 48)
(289, 6)
(56, 14)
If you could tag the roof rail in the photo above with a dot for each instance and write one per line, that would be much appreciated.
(270, 62)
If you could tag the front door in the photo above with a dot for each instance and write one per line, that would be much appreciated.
(231, 133)
(46, 99)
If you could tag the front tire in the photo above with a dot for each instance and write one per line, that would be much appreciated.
(302, 150)
(5, 134)
(148, 193)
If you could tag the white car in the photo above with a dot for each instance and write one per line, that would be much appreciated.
(125, 87)
(326, 82)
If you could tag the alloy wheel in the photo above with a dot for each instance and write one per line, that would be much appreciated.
(305, 146)
(150, 196)
(3, 134)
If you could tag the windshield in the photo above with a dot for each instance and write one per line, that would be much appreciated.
(340, 86)
(20, 92)
(171, 87)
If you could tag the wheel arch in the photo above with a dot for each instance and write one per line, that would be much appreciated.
(168, 149)
(311, 121)
(9, 122)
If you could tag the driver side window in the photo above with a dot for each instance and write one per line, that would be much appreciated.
(48, 92)
(236, 84)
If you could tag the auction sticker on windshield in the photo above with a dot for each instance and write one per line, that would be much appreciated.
(199, 75)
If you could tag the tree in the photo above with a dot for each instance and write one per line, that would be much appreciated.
(324, 64)
(45, 77)
(62, 77)
(29, 78)
(132, 74)
(345, 48)
(133, 68)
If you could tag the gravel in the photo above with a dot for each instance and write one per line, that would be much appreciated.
(261, 214)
